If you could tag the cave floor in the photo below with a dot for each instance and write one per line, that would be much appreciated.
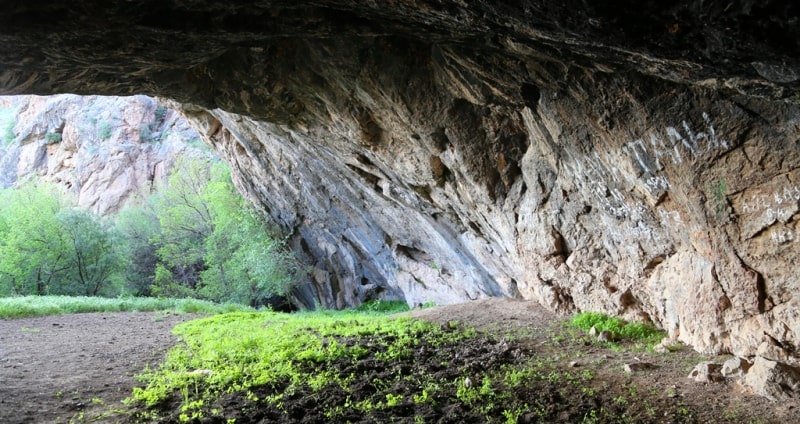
(78, 368)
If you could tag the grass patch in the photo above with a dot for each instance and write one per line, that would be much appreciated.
(383, 306)
(339, 366)
(34, 306)
(619, 328)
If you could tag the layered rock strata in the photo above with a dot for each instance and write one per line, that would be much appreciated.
(104, 151)
(635, 158)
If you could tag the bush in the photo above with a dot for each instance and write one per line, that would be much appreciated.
(52, 137)
(619, 328)
(104, 130)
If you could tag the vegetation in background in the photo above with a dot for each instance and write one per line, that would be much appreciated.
(8, 119)
(34, 306)
(52, 137)
(48, 247)
(197, 237)
(619, 328)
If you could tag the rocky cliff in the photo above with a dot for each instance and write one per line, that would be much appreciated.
(636, 158)
(106, 151)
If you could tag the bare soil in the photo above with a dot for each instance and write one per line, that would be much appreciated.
(67, 368)
(78, 368)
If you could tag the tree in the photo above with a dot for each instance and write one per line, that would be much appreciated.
(139, 230)
(32, 256)
(185, 220)
(48, 247)
(212, 241)
(91, 262)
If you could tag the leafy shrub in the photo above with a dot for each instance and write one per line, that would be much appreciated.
(8, 132)
(104, 130)
(52, 137)
(383, 306)
(619, 328)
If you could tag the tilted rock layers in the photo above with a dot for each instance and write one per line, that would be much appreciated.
(105, 151)
(632, 158)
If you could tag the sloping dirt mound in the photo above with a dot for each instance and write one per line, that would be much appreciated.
(60, 368)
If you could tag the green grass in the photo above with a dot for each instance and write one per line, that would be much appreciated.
(619, 328)
(243, 353)
(33, 306)
(383, 306)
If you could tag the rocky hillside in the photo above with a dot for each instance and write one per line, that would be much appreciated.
(106, 151)
(637, 158)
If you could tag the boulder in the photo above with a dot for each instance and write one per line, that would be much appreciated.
(706, 372)
(773, 380)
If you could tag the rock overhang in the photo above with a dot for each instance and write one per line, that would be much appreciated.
(635, 158)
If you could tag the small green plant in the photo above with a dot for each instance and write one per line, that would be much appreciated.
(160, 114)
(393, 400)
(383, 306)
(104, 129)
(718, 202)
(52, 137)
(619, 328)
(8, 132)
(145, 133)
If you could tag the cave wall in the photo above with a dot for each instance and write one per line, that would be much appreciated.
(641, 161)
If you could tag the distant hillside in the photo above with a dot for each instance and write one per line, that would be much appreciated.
(106, 151)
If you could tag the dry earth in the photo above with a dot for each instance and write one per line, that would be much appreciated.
(79, 367)
(60, 369)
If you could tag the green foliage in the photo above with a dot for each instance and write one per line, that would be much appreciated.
(90, 261)
(160, 114)
(717, 198)
(49, 248)
(383, 306)
(617, 327)
(103, 129)
(8, 120)
(196, 238)
(32, 253)
(52, 137)
(145, 133)
(212, 242)
(241, 352)
(138, 228)
(33, 306)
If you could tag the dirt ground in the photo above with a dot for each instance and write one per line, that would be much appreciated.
(77, 368)
(60, 369)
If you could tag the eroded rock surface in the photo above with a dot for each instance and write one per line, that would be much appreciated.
(106, 151)
(634, 158)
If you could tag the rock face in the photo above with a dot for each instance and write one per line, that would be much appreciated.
(106, 151)
(635, 158)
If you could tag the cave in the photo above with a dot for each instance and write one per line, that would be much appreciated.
(640, 159)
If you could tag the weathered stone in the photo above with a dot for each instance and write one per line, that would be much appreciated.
(635, 159)
(706, 372)
(106, 151)
(633, 367)
(770, 349)
(605, 336)
(773, 380)
(593, 331)
(735, 367)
